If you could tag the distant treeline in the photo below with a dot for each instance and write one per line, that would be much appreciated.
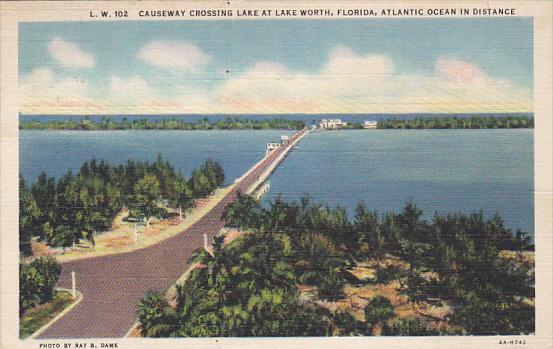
(251, 287)
(107, 123)
(236, 123)
(474, 122)
(60, 212)
(447, 122)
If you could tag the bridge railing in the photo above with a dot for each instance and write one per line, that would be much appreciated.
(283, 151)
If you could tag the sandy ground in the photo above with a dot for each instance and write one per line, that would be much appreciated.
(122, 237)
(356, 298)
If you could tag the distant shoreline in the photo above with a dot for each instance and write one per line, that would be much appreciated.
(470, 121)
(107, 123)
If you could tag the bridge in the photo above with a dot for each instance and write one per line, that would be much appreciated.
(112, 285)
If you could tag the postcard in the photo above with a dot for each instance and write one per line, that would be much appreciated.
(291, 174)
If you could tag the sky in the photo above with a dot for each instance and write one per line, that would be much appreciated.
(277, 66)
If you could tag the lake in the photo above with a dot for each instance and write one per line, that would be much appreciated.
(57, 151)
(439, 170)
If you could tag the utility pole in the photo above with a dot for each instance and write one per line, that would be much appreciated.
(135, 235)
(180, 213)
(205, 242)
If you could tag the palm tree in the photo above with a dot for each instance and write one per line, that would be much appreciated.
(155, 315)
(377, 312)
(234, 320)
(242, 213)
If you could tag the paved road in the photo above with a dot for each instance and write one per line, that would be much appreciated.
(113, 285)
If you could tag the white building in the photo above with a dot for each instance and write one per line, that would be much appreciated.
(270, 147)
(332, 124)
(370, 124)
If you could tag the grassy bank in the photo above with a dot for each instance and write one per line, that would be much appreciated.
(34, 318)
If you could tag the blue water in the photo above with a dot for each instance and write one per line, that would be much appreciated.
(57, 151)
(439, 170)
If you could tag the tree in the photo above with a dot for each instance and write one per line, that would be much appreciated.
(219, 173)
(146, 193)
(378, 312)
(346, 325)
(63, 235)
(275, 312)
(250, 287)
(331, 285)
(75, 206)
(181, 194)
(200, 184)
(37, 281)
(29, 218)
(242, 212)
(370, 239)
(155, 316)
(409, 327)
(44, 194)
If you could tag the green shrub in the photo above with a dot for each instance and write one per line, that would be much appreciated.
(409, 327)
(378, 311)
(63, 236)
(331, 286)
(346, 325)
(37, 281)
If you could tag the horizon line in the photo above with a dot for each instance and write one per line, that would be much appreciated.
(283, 114)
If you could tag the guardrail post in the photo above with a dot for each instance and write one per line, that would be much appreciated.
(73, 284)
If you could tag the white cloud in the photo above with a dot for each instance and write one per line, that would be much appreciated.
(347, 83)
(42, 93)
(455, 70)
(69, 54)
(129, 91)
(344, 62)
(136, 96)
(174, 55)
(458, 85)
(353, 83)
